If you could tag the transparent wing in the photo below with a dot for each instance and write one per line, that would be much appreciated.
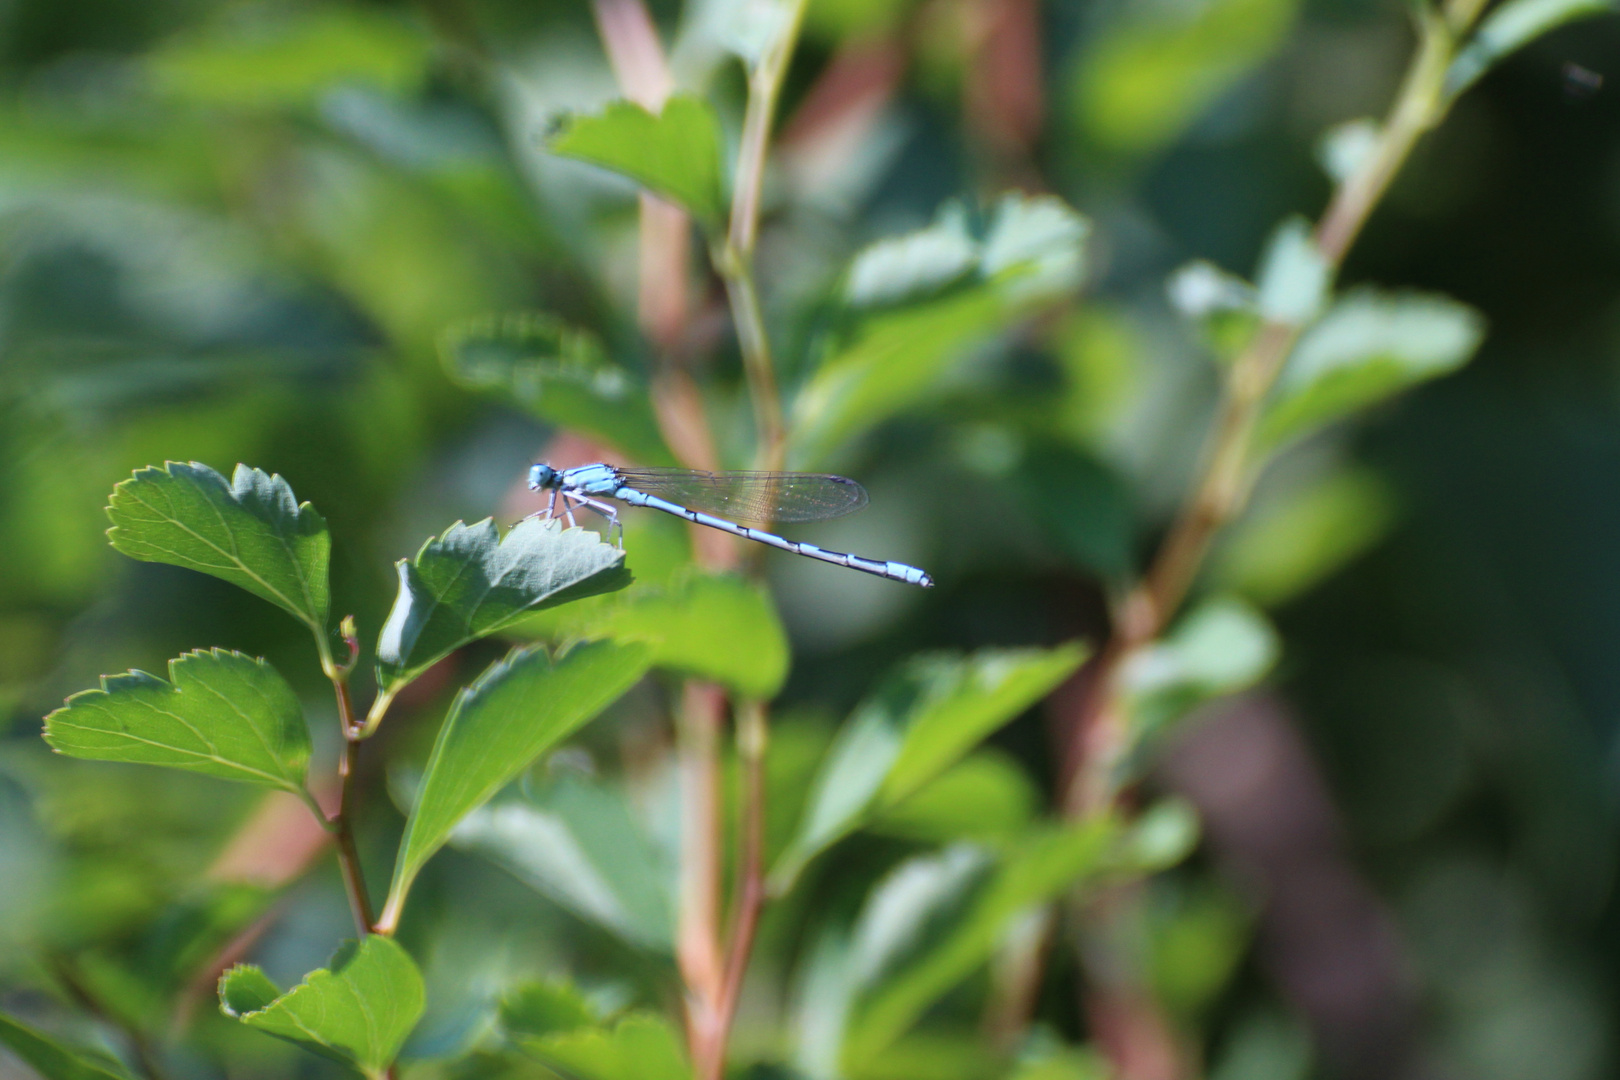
(752, 498)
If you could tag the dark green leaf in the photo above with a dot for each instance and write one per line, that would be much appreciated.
(984, 797)
(251, 532)
(1511, 26)
(917, 725)
(560, 374)
(517, 710)
(1370, 346)
(471, 582)
(676, 153)
(52, 1059)
(642, 1046)
(538, 1009)
(1082, 503)
(359, 1008)
(222, 714)
(577, 843)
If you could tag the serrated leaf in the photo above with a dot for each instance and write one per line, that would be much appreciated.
(717, 627)
(250, 532)
(50, 1057)
(471, 582)
(515, 711)
(919, 723)
(1512, 26)
(902, 267)
(1371, 345)
(675, 153)
(578, 843)
(1152, 70)
(641, 1046)
(221, 714)
(359, 1009)
(1045, 865)
(559, 373)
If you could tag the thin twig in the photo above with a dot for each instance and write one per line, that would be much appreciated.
(753, 732)
(698, 950)
(341, 818)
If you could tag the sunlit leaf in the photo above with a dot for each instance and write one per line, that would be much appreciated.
(675, 153)
(641, 1046)
(515, 711)
(559, 373)
(1291, 542)
(1368, 347)
(251, 532)
(1294, 276)
(221, 714)
(577, 843)
(1045, 865)
(1511, 26)
(1161, 837)
(916, 263)
(472, 582)
(289, 59)
(1218, 648)
(51, 1058)
(918, 723)
(1155, 68)
(359, 1009)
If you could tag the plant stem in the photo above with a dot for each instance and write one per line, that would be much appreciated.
(753, 734)
(340, 820)
(697, 949)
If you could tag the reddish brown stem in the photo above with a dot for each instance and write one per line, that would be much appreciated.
(752, 732)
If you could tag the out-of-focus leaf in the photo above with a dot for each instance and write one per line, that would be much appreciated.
(911, 907)
(1512, 26)
(577, 843)
(1219, 648)
(1293, 542)
(251, 532)
(538, 1009)
(1343, 147)
(675, 153)
(1044, 865)
(560, 374)
(1102, 357)
(1032, 252)
(1082, 503)
(1064, 1064)
(1155, 69)
(222, 714)
(641, 1046)
(1161, 837)
(289, 60)
(52, 1059)
(519, 708)
(1223, 306)
(715, 627)
(984, 797)
(472, 582)
(1198, 937)
(918, 724)
(358, 1009)
(1294, 277)
(1370, 346)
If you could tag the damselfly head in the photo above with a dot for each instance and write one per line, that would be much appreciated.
(542, 476)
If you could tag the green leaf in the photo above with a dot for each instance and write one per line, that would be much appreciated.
(515, 711)
(641, 1046)
(918, 724)
(577, 843)
(1064, 1064)
(1155, 68)
(1290, 543)
(288, 60)
(222, 714)
(1219, 648)
(471, 582)
(1512, 26)
(538, 1009)
(1294, 276)
(1082, 503)
(984, 797)
(1045, 865)
(1032, 253)
(358, 1009)
(717, 627)
(1370, 346)
(52, 1059)
(675, 154)
(559, 373)
(251, 532)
